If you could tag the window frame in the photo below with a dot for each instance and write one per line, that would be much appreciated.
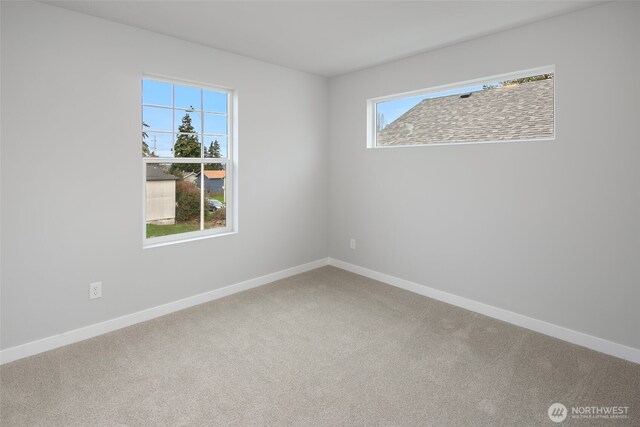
(230, 162)
(371, 137)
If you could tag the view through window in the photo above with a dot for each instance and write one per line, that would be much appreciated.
(187, 163)
(513, 107)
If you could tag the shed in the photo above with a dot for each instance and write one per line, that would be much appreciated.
(160, 196)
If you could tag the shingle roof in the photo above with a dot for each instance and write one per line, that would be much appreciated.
(213, 174)
(155, 173)
(523, 111)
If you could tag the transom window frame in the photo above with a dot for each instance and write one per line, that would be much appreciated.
(230, 162)
(371, 136)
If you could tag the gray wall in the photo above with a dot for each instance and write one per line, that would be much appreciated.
(550, 230)
(72, 174)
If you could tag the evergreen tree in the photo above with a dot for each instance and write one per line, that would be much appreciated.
(145, 149)
(214, 152)
(186, 146)
(214, 149)
(145, 146)
(519, 81)
(528, 79)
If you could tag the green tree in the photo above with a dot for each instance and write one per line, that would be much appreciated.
(145, 146)
(528, 79)
(145, 149)
(519, 81)
(214, 152)
(186, 145)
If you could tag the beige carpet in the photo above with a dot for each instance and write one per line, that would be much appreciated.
(322, 348)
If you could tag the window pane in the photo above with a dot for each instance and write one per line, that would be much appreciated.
(504, 110)
(157, 93)
(173, 201)
(215, 146)
(173, 130)
(215, 102)
(158, 145)
(157, 119)
(187, 97)
(188, 121)
(214, 193)
(215, 123)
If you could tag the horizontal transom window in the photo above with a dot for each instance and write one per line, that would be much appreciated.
(510, 107)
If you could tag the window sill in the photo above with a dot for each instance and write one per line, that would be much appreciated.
(151, 243)
(444, 144)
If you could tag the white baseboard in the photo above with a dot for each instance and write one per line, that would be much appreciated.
(565, 334)
(70, 337)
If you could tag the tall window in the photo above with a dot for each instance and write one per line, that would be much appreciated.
(510, 107)
(187, 161)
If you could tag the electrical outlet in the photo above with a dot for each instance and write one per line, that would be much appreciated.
(95, 290)
(352, 243)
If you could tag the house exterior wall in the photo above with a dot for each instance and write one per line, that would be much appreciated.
(161, 202)
(214, 185)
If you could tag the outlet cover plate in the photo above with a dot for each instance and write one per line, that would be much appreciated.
(95, 290)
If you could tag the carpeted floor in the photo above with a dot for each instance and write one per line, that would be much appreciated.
(325, 347)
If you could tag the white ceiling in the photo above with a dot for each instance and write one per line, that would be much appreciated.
(324, 37)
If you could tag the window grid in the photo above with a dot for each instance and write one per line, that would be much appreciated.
(202, 161)
(202, 134)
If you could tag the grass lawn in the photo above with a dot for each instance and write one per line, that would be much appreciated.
(155, 230)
